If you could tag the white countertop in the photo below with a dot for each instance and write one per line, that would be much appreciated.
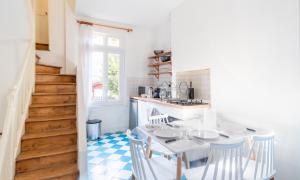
(164, 103)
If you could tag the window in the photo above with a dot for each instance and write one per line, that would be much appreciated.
(114, 42)
(107, 68)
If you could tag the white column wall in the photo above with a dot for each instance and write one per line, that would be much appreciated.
(252, 49)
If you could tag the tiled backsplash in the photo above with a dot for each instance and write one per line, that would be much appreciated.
(134, 82)
(200, 80)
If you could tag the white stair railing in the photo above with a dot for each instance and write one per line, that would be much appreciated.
(18, 102)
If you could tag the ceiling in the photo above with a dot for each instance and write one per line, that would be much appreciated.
(147, 13)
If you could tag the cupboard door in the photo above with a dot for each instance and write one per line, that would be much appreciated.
(142, 113)
(133, 114)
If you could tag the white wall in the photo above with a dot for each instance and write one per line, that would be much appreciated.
(15, 32)
(162, 41)
(56, 17)
(252, 48)
(14, 25)
(72, 37)
(162, 35)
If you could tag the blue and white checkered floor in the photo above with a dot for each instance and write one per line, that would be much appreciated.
(109, 157)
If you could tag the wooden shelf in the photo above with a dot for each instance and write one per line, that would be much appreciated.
(168, 53)
(160, 63)
(159, 73)
(156, 63)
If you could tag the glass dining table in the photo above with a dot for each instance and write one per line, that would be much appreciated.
(182, 139)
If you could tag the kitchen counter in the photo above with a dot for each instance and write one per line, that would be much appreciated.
(195, 113)
(164, 103)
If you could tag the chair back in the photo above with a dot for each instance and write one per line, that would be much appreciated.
(159, 119)
(139, 158)
(225, 161)
(263, 151)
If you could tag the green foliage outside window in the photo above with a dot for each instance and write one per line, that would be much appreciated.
(113, 76)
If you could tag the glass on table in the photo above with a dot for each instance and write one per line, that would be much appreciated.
(186, 133)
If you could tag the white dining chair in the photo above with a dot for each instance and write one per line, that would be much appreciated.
(224, 162)
(144, 168)
(260, 162)
(161, 119)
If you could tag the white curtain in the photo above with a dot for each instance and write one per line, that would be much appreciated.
(85, 48)
(83, 92)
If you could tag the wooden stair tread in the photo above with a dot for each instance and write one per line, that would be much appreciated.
(48, 65)
(48, 173)
(54, 83)
(53, 94)
(50, 118)
(47, 152)
(51, 105)
(49, 134)
(48, 74)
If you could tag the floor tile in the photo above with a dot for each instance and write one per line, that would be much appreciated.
(122, 143)
(115, 157)
(92, 148)
(115, 135)
(116, 146)
(91, 142)
(125, 158)
(110, 150)
(104, 155)
(127, 167)
(98, 169)
(107, 145)
(118, 139)
(124, 174)
(127, 154)
(121, 152)
(113, 142)
(126, 148)
(96, 160)
(105, 140)
(94, 153)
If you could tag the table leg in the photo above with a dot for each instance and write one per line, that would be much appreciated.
(186, 161)
(148, 150)
(179, 165)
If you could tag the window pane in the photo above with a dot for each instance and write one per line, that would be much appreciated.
(115, 42)
(98, 75)
(113, 76)
(98, 39)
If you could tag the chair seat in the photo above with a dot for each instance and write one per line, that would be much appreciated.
(156, 147)
(163, 168)
(249, 172)
(197, 173)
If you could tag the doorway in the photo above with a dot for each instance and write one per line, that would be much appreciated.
(42, 25)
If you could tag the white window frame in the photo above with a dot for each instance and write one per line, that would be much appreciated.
(106, 50)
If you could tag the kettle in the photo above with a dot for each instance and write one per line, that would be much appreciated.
(150, 92)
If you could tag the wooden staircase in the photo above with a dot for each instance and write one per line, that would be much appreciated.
(49, 145)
